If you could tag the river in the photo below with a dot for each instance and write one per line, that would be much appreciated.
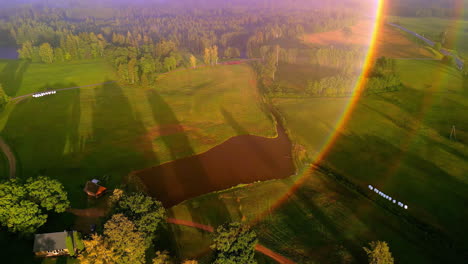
(241, 159)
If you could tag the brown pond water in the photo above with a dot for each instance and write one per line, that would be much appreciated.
(241, 159)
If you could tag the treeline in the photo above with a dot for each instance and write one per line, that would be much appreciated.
(382, 78)
(426, 8)
(69, 47)
(234, 31)
(140, 65)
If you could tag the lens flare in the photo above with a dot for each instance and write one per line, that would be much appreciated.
(376, 17)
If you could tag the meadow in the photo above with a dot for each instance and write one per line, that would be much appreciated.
(404, 149)
(402, 139)
(107, 131)
(21, 77)
(432, 27)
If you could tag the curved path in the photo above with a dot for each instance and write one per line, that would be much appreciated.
(10, 157)
(268, 252)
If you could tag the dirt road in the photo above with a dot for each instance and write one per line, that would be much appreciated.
(10, 157)
(268, 252)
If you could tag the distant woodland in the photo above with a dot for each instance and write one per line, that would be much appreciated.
(143, 41)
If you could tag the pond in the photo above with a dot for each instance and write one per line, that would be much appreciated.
(8, 53)
(241, 159)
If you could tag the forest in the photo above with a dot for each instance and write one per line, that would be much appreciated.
(142, 42)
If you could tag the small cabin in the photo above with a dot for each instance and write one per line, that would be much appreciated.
(92, 188)
(51, 244)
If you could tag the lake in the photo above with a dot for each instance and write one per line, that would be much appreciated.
(241, 159)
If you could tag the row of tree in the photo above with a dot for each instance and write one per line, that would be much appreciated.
(382, 78)
(69, 47)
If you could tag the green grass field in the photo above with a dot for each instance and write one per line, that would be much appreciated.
(21, 77)
(397, 142)
(431, 27)
(108, 131)
(320, 222)
(105, 132)
(402, 139)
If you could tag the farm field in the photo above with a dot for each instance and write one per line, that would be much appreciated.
(308, 218)
(431, 27)
(333, 221)
(111, 130)
(21, 77)
(390, 42)
(402, 139)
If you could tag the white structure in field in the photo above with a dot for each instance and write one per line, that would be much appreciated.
(372, 188)
(43, 94)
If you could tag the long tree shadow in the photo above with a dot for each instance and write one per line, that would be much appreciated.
(433, 193)
(185, 176)
(173, 182)
(301, 221)
(39, 130)
(118, 144)
(11, 77)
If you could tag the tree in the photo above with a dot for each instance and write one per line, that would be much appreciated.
(193, 61)
(128, 244)
(231, 52)
(162, 258)
(207, 56)
(234, 243)
(98, 251)
(437, 46)
(379, 253)
(214, 55)
(190, 262)
(26, 51)
(24, 217)
(46, 53)
(170, 63)
(133, 71)
(22, 206)
(146, 212)
(4, 98)
(47, 193)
